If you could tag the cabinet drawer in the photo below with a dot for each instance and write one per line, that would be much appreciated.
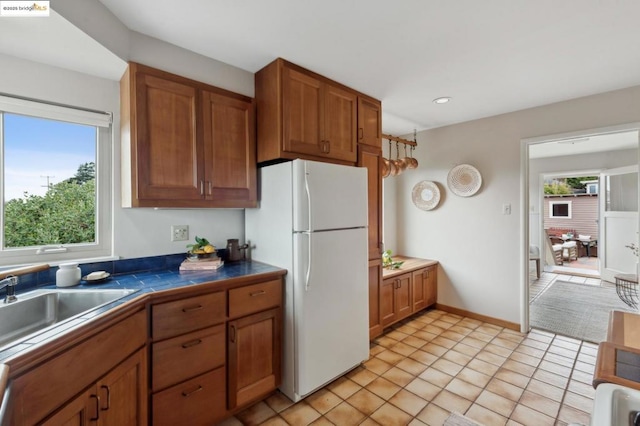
(199, 401)
(254, 298)
(185, 315)
(186, 356)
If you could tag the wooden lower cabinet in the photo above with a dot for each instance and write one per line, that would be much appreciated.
(425, 288)
(401, 292)
(254, 356)
(119, 398)
(214, 353)
(395, 299)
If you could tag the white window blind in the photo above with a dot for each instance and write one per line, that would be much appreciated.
(54, 112)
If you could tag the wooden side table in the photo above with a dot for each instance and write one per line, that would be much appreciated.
(627, 289)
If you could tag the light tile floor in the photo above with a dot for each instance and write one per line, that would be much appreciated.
(435, 363)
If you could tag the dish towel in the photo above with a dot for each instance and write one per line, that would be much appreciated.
(457, 419)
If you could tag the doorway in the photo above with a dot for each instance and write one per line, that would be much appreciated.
(578, 153)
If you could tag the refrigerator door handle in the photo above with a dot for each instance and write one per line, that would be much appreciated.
(308, 276)
(306, 187)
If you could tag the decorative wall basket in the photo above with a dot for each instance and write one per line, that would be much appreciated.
(426, 195)
(464, 180)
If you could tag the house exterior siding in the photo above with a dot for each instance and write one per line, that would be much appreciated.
(584, 214)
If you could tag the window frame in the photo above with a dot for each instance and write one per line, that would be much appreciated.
(553, 203)
(103, 245)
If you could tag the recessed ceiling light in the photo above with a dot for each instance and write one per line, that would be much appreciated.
(441, 100)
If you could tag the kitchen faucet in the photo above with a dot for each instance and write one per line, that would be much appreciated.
(10, 283)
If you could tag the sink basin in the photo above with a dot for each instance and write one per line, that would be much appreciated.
(40, 309)
(614, 405)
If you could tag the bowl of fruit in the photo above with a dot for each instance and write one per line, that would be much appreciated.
(202, 249)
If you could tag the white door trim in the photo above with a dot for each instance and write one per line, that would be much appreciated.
(525, 205)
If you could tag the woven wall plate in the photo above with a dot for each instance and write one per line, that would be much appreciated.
(464, 180)
(426, 195)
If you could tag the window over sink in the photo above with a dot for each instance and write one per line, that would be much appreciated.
(56, 182)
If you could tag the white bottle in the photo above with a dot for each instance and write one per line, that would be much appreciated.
(68, 275)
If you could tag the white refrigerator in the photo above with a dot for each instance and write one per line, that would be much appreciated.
(312, 221)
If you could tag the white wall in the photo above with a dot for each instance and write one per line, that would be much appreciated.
(138, 232)
(478, 247)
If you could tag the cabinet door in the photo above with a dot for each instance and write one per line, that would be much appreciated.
(388, 305)
(229, 151)
(431, 286)
(371, 158)
(79, 412)
(375, 279)
(301, 113)
(369, 122)
(340, 124)
(404, 307)
(419, 296)
(254, 356)
(123, 391)
(167, 152)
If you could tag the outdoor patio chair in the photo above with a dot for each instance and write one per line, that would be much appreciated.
(570, 250)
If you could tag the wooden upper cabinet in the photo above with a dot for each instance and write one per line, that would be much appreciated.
(229, 150)
(166, 143)
(369, 122)
(340, 123)
(304, 115)
(185, 143)
(301, 112)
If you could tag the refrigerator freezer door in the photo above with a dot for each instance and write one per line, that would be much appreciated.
(331, 305)
(328, 196)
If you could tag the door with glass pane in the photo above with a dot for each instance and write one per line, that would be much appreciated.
(618, 222)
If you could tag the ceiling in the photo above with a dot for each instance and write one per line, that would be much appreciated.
(55, 41)
(490, 57)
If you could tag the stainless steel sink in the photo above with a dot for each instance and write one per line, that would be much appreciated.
(39, 309)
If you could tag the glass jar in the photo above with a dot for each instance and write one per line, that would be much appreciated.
(68, 275)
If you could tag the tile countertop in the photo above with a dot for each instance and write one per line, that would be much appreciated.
(144, 283)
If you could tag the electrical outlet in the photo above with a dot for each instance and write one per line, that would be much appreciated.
(179, 232)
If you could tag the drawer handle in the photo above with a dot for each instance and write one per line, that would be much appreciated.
(191, 343)
(257, 293)
(188, 394)
(191, 308)
(97, 417)
(108, 398)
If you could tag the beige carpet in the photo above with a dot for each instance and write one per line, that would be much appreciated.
(576, 310)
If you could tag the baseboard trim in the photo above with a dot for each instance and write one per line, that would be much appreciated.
(479, 317)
